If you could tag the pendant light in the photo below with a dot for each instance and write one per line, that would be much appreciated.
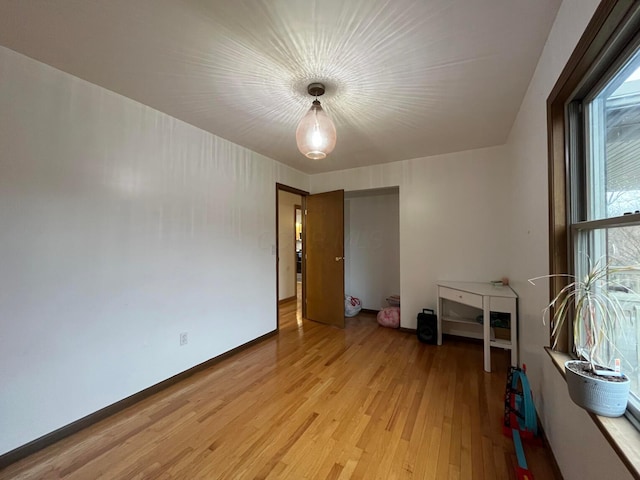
(316, 134)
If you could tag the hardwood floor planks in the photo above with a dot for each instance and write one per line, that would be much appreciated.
(312, 402)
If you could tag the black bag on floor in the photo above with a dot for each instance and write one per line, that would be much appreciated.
(427, 326)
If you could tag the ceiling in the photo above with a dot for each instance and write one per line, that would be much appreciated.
(405, 78)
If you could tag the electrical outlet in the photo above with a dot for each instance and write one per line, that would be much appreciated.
(183, 338)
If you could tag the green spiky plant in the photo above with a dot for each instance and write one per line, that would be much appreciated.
(597, 313)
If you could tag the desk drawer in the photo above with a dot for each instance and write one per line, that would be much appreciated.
(459, 296)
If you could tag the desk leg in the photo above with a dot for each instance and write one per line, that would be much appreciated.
(486, 333)
(514, 335)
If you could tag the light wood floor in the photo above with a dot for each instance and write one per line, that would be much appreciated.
(313, 402)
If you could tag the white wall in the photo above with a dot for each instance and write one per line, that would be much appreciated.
(120, 228)
(578, 445)
(372, 246)
(453, 218)
(286, 244)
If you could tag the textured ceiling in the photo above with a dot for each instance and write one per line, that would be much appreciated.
(405, 78)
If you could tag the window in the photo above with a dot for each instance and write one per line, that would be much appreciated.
(594, 171)
(605, 201)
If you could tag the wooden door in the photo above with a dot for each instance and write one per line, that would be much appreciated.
(324, 249)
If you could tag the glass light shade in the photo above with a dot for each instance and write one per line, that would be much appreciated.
(316, 134)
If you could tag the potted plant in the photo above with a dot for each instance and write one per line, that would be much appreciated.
(597, 313)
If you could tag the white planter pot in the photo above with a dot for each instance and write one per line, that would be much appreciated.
(601, 397)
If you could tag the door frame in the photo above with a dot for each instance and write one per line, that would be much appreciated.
(303, 194)
(297, 208)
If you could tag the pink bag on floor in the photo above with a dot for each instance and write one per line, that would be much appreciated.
(389, 317)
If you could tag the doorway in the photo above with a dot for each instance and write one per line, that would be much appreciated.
(290, 249)
(322, 253)
(298, 244)
(372, 245)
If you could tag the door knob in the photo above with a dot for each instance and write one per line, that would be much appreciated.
(339, 258)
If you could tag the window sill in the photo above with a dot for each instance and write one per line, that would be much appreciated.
(619, 432)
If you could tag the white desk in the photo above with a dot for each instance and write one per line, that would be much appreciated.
(487, 298)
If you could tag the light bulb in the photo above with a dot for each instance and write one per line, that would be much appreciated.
(316, 138)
